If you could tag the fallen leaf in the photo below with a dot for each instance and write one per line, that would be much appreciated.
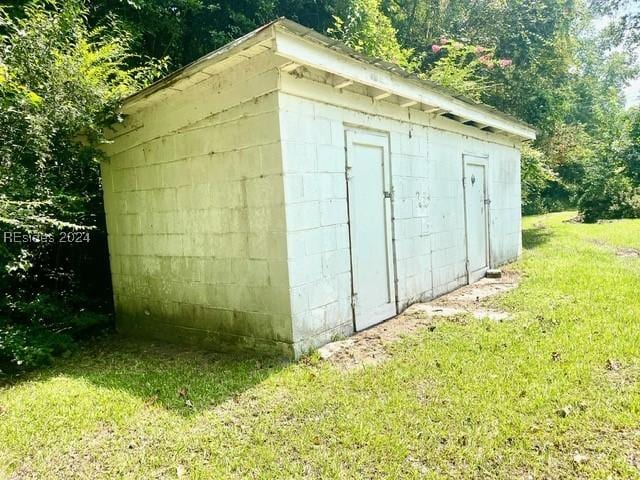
(183, 392)
(555, 356)
(181, 471)
(564, 411)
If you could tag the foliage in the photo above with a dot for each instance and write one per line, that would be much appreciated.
(626, 19)
(364, 27)
(611, 187)
(536, 178)
(631, 151)
(608, 194)
(58, 79)
(184, 30)
(459, 64)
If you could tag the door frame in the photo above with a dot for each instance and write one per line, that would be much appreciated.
(380, 139)
(482, 160)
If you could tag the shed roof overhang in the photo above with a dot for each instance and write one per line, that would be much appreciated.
(298, 46)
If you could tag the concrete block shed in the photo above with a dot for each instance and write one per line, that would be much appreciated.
(284, 190)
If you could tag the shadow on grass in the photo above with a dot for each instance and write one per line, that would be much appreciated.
(535, 236)
(178, 378)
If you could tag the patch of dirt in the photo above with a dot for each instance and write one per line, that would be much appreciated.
(576, 219)
(369, 346)
(622, 375)
(625, 252)
(628, 252)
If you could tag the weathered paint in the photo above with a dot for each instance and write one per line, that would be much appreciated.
(428, 201)
(194, 201)
(370, 233)
(227, 210)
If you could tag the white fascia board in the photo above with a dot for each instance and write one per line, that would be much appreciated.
(260, 35)
(306, 52)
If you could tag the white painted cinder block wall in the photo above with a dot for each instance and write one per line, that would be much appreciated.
(194, 203)
(428, 203)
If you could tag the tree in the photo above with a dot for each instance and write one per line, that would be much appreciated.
(626, 22)
(363, 26)
(184, 30)
(58, 78)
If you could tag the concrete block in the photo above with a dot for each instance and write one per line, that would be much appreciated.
(333, 212)
(267, 245)
(278, 273)
(263, 190)
(164, 200)
(271, 158)
(299, 157)
(336, 262)
(293, 188)
(124, 180)
(311, 187)
(302, 216)
(331, 158)
(131, 158)
(299, 300)
(337, 134)
(159, 150)
(322, 293)
(342, 236)
(322, 131)
(305, 270)
(269, 219)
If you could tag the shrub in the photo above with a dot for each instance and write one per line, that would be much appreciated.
(536, 177)
(58, 79)
(608, 194)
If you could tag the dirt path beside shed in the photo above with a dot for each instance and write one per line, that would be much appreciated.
(369, 346)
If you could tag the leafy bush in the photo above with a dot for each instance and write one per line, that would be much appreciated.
(459, 67)
(60, 83)
(608, 194)
(536, 177)
(363, 26)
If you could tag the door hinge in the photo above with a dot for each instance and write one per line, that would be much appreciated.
(388, 195)
(354, 300)
(487, 201)
(349, 173)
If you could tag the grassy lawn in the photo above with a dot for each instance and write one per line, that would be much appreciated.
(554, 393)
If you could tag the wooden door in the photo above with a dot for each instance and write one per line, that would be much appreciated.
(368, 187)
(476, 216)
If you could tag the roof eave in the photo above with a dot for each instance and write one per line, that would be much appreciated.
(304, 46)
(255, 37)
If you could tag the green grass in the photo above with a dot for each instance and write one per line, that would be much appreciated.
(517, 399)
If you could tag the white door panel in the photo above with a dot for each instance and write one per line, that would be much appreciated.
(370, 228)
(476, 216)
